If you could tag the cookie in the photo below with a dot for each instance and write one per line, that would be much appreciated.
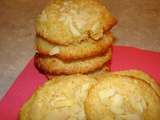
(93, 74)
(61, 98)
(68, 21)
(119, 97)
(84, 49)
(99, 72)
(135, 74)
(55, 66)
(140, 75)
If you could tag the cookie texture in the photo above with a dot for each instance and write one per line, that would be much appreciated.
(93, 74)
(68, 21)
(119, 97)
(55, 66)
(61, 98)
(84, 49)
(140, 75)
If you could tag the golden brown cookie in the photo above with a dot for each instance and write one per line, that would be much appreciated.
(25, 111)
(141, 75)
(118, 97)
(93, 74)
(69, 21)
(137, 74)
(55, 66)
(84, 49)
(99, 72)
(61, 98)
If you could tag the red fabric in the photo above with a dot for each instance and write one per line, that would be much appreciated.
(123, 58)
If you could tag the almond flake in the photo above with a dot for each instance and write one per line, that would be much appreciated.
(73, 29)
(54, 51)
(105, 94)
(116, 104)
(138, 104)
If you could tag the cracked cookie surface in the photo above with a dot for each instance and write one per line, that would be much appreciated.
(58, 99)
(69, 21)
(119, 97)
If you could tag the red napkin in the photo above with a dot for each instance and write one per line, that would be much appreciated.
(123, 58)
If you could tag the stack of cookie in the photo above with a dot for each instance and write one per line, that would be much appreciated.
(73, 37)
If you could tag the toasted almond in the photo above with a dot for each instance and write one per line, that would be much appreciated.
(81, 93)
(54, 51)
(73, 29)
(117, 104)
(138, 103)
(105, 94)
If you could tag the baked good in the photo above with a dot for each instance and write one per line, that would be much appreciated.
(134, 73)
(55, 66)
(58, 99)
(69, 21)
(98, 73)
(119, 97)
(84, 49)
(93, 74)
(140, 75)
